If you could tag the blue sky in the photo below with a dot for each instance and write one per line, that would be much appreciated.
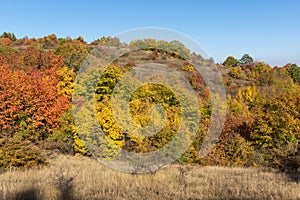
(268, 30)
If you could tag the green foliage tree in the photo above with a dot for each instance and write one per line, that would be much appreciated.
(294, 72)
(245, 60)
(10, 36)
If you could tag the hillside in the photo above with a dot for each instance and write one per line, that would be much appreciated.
(37, 78)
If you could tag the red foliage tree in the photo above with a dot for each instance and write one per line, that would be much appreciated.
(29, 96)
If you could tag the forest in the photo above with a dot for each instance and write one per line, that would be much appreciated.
(37, 78)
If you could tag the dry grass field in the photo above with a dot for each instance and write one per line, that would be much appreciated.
(68, 177)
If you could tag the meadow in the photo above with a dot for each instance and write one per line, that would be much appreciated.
(77, 177)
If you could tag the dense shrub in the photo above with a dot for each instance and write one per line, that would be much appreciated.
(237, 72)
(19, 153)
(231, 150)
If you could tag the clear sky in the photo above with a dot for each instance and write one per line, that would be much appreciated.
(268, 30)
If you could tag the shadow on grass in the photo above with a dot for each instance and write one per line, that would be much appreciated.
(29, 194)
(293, 176)
(65, 187)
(291, 167)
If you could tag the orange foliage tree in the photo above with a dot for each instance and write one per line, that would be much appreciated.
(31, 101)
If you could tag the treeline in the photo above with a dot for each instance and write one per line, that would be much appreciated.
(37, 77)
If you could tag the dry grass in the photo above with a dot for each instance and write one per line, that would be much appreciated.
(83, 178)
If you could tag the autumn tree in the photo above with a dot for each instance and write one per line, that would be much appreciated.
(276, 127)
(32, 103)
(237, 73)
(108, 41)
(73, 53)
(11, 56)
(174, 48)
(230, 61)
(49, 41)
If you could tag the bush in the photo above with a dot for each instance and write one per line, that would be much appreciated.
(62, 138)
(19, 153)
(231, 150)
(237, 72)
(280, 157)
(188, 68)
